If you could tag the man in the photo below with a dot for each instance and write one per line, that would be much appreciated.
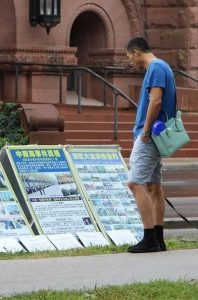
(157, 96)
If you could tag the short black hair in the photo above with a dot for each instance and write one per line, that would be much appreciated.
(139, 43)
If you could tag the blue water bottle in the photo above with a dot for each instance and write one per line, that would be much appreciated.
(158, 127)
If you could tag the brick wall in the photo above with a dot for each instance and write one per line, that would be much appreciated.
(172, 30)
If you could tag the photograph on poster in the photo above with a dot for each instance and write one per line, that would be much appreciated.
(13, 227)
(44, 185)
(12, 222)
(19, 224)
(2, 182)
(6, 196)
(7, 224)
(41, 185)
(12, 209)
(2, 210)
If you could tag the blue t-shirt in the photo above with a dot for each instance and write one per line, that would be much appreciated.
(158, 74)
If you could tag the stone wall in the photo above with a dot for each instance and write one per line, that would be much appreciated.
(171, 26)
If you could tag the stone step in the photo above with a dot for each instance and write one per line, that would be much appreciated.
(51, 138)
(95, 126)
(180, 153)
(71, 111)
(109, 134)
(122, 117)
(98, 118)
(128, 144)
(109, 125)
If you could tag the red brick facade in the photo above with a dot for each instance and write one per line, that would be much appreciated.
(94, 33)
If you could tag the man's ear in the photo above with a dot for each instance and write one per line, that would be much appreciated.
(137, 52)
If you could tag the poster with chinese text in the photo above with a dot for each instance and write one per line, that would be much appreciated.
(49, 188)
(103, 175)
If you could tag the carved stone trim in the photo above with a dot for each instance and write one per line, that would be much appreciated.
(113, 57)
(39, 55)
(99, 52)
(38, 50)
(110, 38)
(135, 17)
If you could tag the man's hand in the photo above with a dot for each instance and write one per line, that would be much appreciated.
(145, 136)
(145, 139)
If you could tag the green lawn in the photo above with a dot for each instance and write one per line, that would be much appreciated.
(171, 244)
(156, 290)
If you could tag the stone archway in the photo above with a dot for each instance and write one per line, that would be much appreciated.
(135, 17)
(104, 52)
(90, 29)
(8, 23)
(87, 33)
(109, 33)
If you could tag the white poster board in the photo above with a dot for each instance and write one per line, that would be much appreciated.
(37, 243)
(92, 239)
(64, 241)
(122, 237)
(2, 248)
(11, 244)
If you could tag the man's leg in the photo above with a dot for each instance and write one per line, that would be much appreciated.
(149, 242)
(143, 203)
(143, 161)
(156, 195)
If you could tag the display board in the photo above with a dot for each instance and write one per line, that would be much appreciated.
(65, 241)
(89, 239)
(48, 189)
(37, 243)
(102, 174)
(12, 220)
(11, 244)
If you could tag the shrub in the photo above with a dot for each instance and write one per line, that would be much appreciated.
(11, 131)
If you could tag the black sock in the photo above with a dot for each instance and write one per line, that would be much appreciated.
(149, 234)
(159, 232)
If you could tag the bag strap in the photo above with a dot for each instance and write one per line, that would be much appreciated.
(176, 102)
(184, 218)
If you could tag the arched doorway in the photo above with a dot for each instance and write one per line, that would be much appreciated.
(87, 33)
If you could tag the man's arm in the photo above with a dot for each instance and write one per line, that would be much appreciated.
(154, 107)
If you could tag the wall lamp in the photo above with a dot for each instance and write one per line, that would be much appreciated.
(46, 13)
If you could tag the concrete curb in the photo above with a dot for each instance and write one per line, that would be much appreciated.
(177, 163)
(179, 223)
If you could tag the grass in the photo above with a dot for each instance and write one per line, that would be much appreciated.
(156, 290)
(171, 244)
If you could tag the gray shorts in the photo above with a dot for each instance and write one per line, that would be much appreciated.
(145, 163)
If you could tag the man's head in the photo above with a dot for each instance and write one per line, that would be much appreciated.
(136, 50)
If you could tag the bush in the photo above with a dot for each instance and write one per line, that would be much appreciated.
(11, 131)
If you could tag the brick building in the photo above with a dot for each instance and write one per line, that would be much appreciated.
(94, 34)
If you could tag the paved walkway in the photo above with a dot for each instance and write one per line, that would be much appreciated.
(19, 276)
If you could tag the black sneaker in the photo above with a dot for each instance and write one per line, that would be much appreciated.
(144, 247)
(162, 246)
